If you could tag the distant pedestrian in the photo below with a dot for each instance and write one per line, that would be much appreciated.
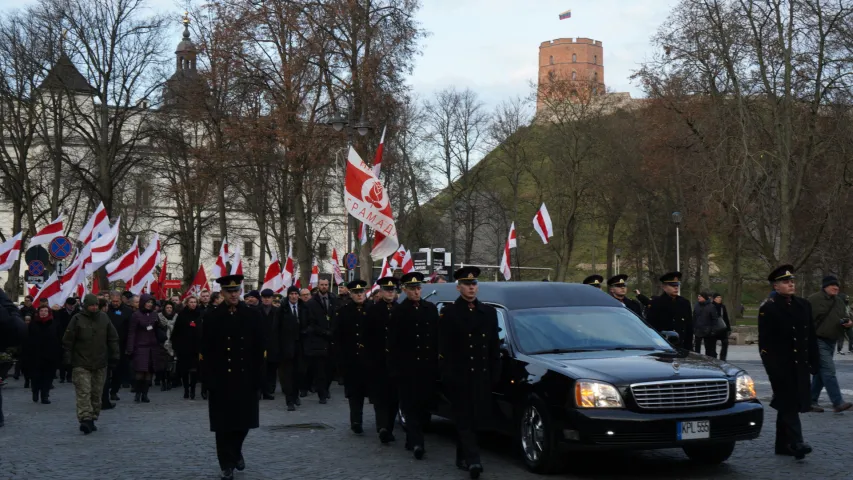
(91, 346)
(829, 315)
(848, 333)
(186, 342)
(722, 319)
(142, 346)
(42, 353)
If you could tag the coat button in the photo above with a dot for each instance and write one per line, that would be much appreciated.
(472, 369)
(229, 370)
(228, 349)
(484, 335)
(469, 334)
(471, 346)
(472, 358)
(229, 359)
(795, 350)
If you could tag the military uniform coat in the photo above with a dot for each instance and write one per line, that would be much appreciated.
(354, 362)
(413, 345)
(270, 325)
(379, 320)
(232, 353)
(788, 347)
(317, 331)
(673, 314)
(632, 305)
(469, 358)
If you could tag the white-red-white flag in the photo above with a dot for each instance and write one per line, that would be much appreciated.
(366, 201)
(103, 248)
(336, 268)
(219, 268)
(386, 271)
(147, 261)
(402, 259)
(297, 282)
(288, 273)
(506, 262)
(98, 224)
(542, 224)
(48, 233)
(10, 251)
(199, 283)
(124, 266)
(314, 280)
(237, 266)
(272, 279)
(74, 278)
(51, 290)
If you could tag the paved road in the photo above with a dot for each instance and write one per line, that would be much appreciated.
(169, 439)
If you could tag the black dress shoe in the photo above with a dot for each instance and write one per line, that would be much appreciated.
(298, 402)
(357, 429)
(303, 393)
(385, 436)
(419, 452)
(85, 428)
(35, 397)
(798, 450)
(45, 401)
(462, 465)
(475, 470)
(323, 401)
(108, 406)
(241, 464)
(269, 397)
(92, 426)
(228, 474)
(291, 407)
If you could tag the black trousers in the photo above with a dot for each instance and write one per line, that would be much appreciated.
(697, 344)
(466, 445)
(42, 377)
(789, 431)
(385, 404)
(108, 378)
(229, 447)
(724, 346)
(356, 409)
(318, 369)
(415, 405)
(710, 346)
(65, 372)
(288, 379)
(271, 371)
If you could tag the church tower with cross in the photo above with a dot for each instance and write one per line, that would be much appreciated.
(185, 88)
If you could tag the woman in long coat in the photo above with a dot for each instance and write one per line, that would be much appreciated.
(143, 347)
(42, 353)
(186, 341)
(165, 354)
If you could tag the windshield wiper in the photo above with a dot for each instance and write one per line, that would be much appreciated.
(563, 350)
(622, 349)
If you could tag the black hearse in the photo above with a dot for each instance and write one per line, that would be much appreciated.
(582, 372)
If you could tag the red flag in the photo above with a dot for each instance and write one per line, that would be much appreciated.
(542, 224)
(199, 283)
(32, 290)
(96, 289)
(157, 286)
(366, 201)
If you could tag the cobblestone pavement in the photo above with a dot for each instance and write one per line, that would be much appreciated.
(169, 439)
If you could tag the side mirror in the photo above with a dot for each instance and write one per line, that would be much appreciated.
(671, 337)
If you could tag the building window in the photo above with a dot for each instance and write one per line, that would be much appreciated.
(217, 244)
(143, 195)
(595, 76)
(574, 75)
(595, 59)
(323, 250)
(248, 248)
(551, 76)
(323, 203)
(574, 58)
(551, 60)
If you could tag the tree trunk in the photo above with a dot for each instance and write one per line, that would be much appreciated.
(733, 296)
(262, 255)
(301, 244)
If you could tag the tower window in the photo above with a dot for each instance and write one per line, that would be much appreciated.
(595, 76)
(551, 76)
(551, 60)
(574, 58)
(574, 75)
(595, 59)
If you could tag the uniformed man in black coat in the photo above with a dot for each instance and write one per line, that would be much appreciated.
(270, 317)
(469, 358)
(383, 391)
(619, 289)
(353, 358)
(292, 316)
(412, 347)
(594, 280)
(788, 347)
(671, 312)
(233, 351)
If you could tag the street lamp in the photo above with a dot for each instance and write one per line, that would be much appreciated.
(618, 254)
(676, 219)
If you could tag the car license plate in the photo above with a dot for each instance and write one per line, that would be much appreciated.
(693, 430)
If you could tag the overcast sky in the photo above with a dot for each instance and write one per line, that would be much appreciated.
(492, 46)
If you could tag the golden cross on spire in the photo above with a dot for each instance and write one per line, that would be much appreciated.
(186, 17)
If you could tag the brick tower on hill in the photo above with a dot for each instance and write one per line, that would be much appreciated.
(578, 60)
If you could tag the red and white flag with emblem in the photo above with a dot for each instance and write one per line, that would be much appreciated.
(506, 262)
(367, 201)
(542, 224)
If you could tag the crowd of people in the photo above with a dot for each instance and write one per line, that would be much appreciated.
(381, 349)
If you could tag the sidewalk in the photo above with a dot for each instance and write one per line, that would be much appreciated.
(749, 353)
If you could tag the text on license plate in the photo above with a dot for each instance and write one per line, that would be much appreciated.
(693, 429)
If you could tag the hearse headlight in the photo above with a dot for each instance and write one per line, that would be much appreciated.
(591, 394)
(744, 388)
